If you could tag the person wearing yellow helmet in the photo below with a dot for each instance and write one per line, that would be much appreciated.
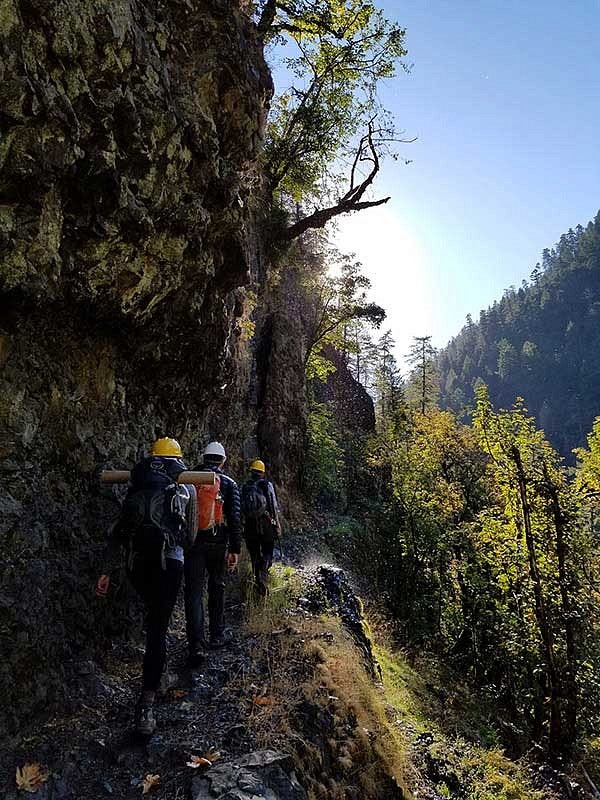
(158, 519)
(262, 526)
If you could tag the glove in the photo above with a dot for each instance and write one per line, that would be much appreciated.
(102, 585)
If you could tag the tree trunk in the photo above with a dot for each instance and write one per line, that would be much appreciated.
(556, 743)
(566, 593)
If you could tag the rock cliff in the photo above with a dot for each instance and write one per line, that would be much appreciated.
(351, 403)
(129, 193)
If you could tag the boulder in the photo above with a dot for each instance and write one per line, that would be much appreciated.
(262, 774)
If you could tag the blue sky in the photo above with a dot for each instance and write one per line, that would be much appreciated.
(504, 98)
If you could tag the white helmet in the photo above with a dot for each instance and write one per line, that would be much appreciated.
(215, 449)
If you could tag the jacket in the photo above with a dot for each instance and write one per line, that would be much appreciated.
(264, 528)
(229, 534)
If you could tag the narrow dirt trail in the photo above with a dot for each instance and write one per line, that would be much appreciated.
(94, 753)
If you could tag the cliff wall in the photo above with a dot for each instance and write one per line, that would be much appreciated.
(351, 403)
(129, 189)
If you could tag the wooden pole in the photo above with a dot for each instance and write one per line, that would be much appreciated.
(196, 478)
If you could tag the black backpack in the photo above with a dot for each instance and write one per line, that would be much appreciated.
(153, 515)
(254, 501)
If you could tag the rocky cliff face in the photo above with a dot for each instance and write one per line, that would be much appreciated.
(351, 403)
(128, 228)
(353, 420)
(281, 391)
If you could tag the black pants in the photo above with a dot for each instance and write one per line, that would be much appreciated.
(205, 562)
(261, 555)
(158, 588)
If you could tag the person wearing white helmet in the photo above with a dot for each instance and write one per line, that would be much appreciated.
(217, 547)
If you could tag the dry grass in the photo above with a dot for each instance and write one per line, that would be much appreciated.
(374, 750)
(316, 700)
(483, 772)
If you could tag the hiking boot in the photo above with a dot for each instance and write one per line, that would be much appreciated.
(145, 723)
(195, 659)
(218, 641)
(168, 681)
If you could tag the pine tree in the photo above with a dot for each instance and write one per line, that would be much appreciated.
(423, 376)
(389, 389)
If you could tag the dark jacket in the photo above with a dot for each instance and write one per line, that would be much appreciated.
(266, 527)
(230, 533)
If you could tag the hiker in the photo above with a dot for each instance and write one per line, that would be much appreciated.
(262, 526)
(216, 549)
(158, 520)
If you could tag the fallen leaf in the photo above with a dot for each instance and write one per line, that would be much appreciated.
(149, 782)
(199, 762)
(31, 776)
(204, 762)
(178, 693)
(261, 700)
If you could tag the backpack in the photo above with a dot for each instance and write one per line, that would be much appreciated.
(254, 501)
(210, 506)
(153, 514)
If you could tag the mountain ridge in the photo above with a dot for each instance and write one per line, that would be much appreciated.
(540, 342)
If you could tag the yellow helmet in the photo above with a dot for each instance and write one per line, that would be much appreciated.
(257, 465)
(166, 447)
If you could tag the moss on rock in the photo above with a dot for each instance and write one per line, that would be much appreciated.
(128, 131)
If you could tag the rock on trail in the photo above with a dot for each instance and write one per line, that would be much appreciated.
(93, 753)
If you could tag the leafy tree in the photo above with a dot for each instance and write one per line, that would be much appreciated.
(323, 471)
(529, 351)
(330, 116)
(334, 303)
(540, 518)
(336, 316)
(436, 472)
(588, 472)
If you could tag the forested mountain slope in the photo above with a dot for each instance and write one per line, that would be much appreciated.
(540, 342)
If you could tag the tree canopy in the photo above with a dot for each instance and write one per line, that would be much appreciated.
(338, 297)
(328, 131)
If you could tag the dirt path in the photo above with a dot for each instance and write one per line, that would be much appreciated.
(93, 753)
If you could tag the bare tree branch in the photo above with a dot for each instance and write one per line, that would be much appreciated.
(352, 200)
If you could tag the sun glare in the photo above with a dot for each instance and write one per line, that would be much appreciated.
(397, 264)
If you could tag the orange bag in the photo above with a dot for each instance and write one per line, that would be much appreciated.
(210, 505)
